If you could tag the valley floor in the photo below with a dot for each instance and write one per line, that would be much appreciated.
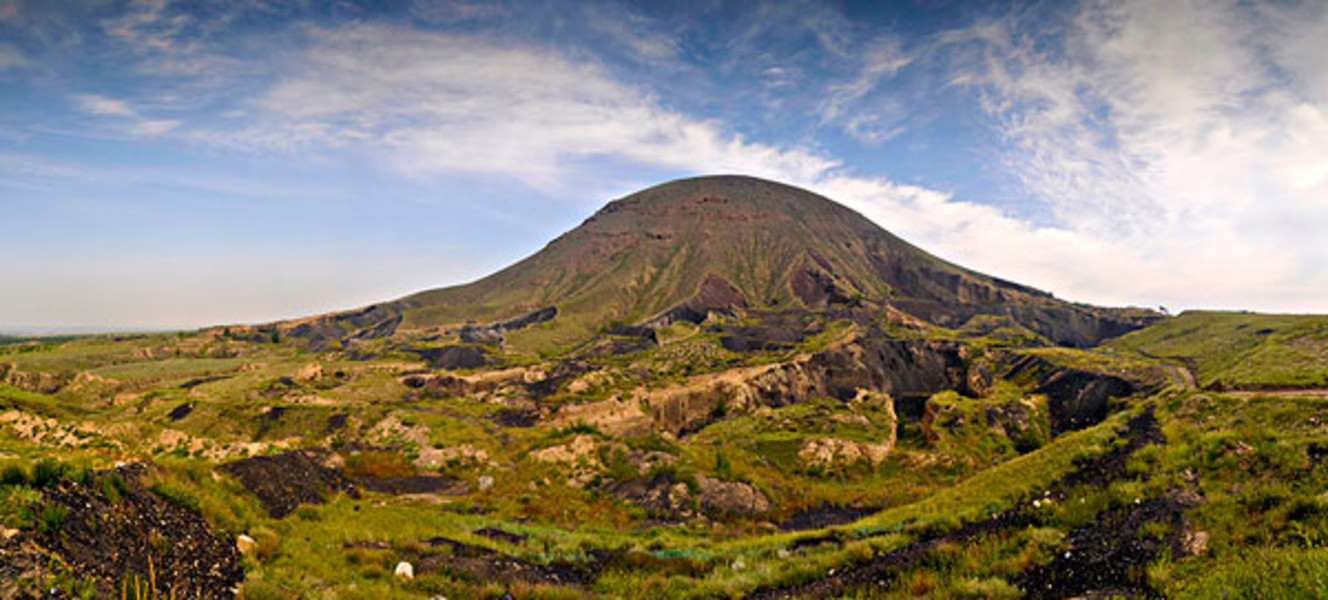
(211, 464)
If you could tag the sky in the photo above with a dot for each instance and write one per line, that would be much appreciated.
(170, 164)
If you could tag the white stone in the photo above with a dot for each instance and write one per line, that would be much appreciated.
(486, 482)
(404, 571)
(245, 544)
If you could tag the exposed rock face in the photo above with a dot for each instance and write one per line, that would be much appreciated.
(831, 453)
(335, 331)
(735, 497)
(828, 453)
(494, 332)
(1022, 421)
(309, 372)
(666, 495)
(1078, 398)
(841, 372)
(41, 383)
(580, 448)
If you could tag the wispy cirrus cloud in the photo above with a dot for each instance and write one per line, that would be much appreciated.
(1169, 153)
(437, 103)
(1180, 129)
(102, 105)
(133, 122)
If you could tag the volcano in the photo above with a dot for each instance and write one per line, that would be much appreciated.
(730, 244)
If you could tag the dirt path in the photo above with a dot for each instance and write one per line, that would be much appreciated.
(1307, 393)
(1180, 376)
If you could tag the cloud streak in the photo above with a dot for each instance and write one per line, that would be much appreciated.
(1164, 153)
(1164, 127)
(137, 124)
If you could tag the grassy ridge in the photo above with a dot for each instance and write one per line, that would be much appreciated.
(1239, 350)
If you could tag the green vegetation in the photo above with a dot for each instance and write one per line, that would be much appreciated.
(969, 494)
(1239, 350)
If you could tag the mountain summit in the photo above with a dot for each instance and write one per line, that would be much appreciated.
(732, 244)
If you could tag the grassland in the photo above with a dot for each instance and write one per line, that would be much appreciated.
(1239, 350)
(1202, 494)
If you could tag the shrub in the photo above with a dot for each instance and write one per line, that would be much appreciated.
(14, 475)
(113, 486)
(268, 543)
(51, 518)
(723, 468)
(46, 473)
(379, 464)
(175, 495)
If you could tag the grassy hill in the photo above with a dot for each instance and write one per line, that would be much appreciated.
(1239, 350)
(716, 388)
(730, 244)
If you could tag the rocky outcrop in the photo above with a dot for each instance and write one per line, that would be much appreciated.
(455, 356)
(1076, 398)
(588, 459)
(336, 331)
(41, 383)
(1022, 421)
(493, 333)
(841, 372)
(829, 453)
(668, 495)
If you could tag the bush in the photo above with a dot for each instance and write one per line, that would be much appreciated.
(51, 518)
(723, 468)
(46, 473)
(13, 475)
(379, 464)
(175, 495)
(268, 543)
(113, 486)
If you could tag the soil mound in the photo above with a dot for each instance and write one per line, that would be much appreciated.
(284, 481)
(116, 530)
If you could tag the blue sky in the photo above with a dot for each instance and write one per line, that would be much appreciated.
(176, 164)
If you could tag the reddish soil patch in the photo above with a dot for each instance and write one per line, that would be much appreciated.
(415, 484)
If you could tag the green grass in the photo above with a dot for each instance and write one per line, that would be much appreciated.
(1239, 350)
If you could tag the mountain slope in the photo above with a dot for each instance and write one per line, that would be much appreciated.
(730, 243)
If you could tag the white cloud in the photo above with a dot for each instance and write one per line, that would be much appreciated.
(147, 26)
(101, 105)
(1163, 131)
(881, 61)
(139, 125)
(1159, 199)
(632, 31)
(155, 126)
(439, 103)
(1180, 169)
